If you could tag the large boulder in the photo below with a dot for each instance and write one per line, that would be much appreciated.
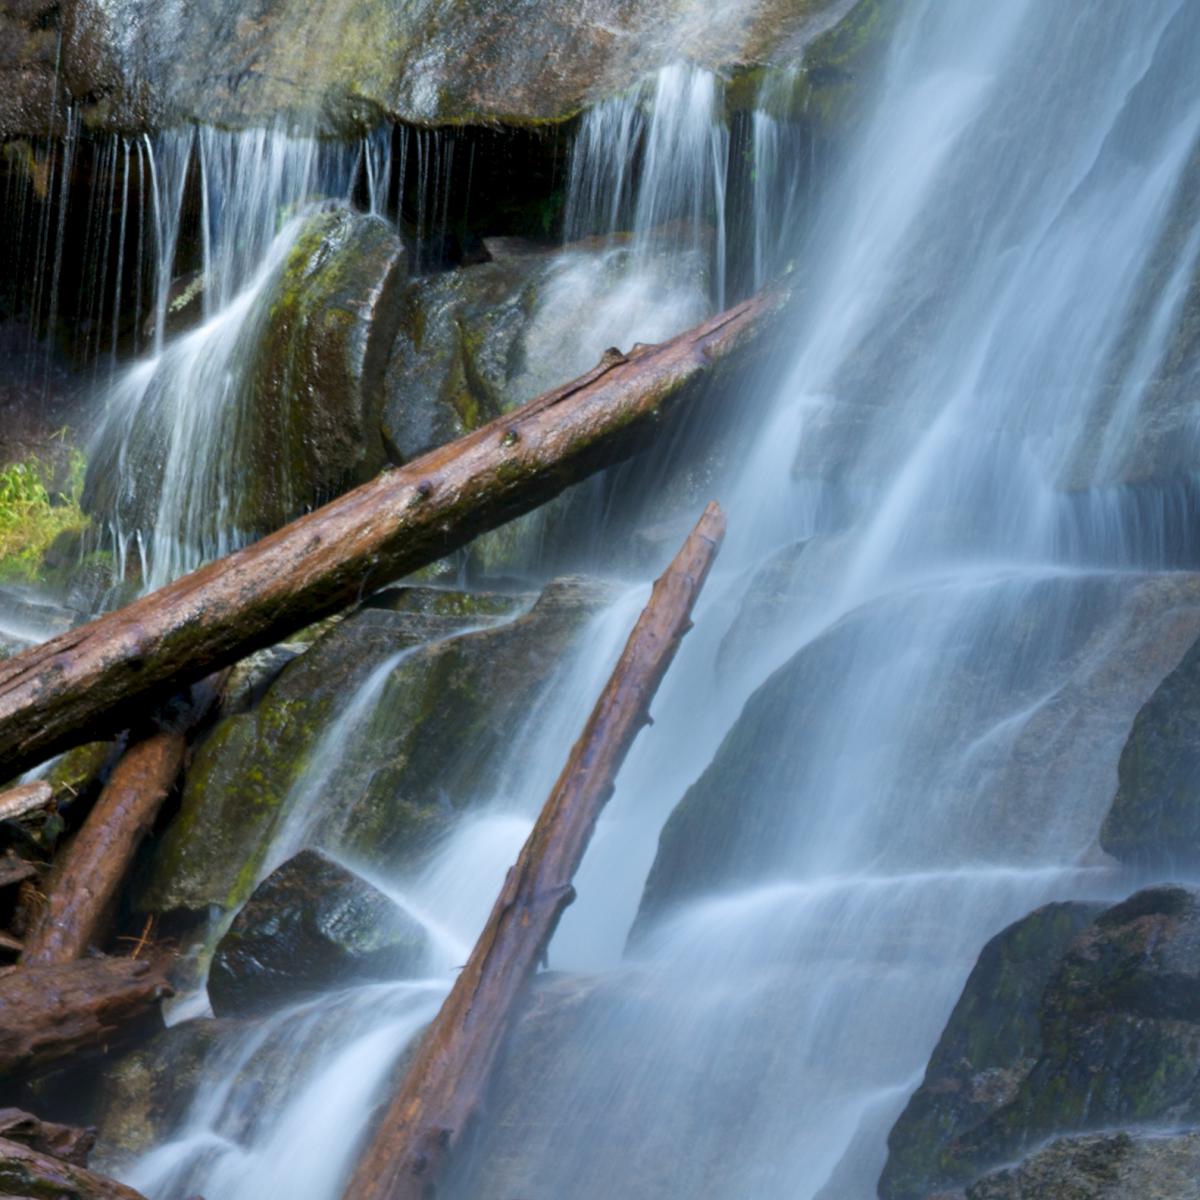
(1154, 821)
(1117, 1043)
(1037, 709)
(441, 680)
(311, 925)
(465, 61)
(294, 391)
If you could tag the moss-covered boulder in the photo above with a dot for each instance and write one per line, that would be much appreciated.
(991, 1042)
(311, 925)
(1063, 669)
(1105, 1166)
(440, 680)
(1154, 821)
(295, 413)
(1117, 1044)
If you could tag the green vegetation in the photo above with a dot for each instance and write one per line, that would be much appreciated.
(34, 511)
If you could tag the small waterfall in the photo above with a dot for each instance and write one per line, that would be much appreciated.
(170, 419)
(330, 1061)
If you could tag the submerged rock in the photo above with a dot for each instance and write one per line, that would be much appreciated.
(1154, 821)
(311, 925)
(1117, 1043)
(1062, 695)
(446, 686)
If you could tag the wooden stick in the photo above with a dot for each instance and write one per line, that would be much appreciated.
(94, 680)
(25, 798)
(446, 1083)
(90, 871)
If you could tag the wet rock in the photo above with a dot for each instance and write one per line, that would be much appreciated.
(477, 341)
(320, 365)
(1110, 1166)
(305, 417)
(28, 53)
(143, 1095)
(1118, 1045)
(468, 61)
(440, 716)
(311, 925)
(1154, 821)
(991, 1043)
(1063, 695)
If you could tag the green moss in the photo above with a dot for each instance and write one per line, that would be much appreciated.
(33, 514)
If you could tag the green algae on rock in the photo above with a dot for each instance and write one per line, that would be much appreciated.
(301, 423)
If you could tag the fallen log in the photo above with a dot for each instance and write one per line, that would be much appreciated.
(28, 1172)
(25, 798)
(67, 1142)
(91, 680)
(52, 1013)
(446, 1083)
(89, 873)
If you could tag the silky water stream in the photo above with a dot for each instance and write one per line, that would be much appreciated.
(956, 568)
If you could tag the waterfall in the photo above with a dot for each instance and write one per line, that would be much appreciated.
(167, 475)
(967, 497)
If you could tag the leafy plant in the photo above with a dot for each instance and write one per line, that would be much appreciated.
(31, 516)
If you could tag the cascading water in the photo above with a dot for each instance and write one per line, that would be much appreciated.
(171, 418)
(963, 512)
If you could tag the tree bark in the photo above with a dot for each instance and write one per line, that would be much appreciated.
(24, 799)
(89, 681)
(70, 1143)
(52, 1013)
(447, 1081)
(89, 873)
(28, 1172)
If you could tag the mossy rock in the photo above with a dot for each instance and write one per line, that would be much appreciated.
(1117, 1044)
(991, 1042)
(142, 1096)
(444, 712)
(1154, 822)
(302, 425)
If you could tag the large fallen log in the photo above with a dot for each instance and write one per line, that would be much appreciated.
(89, 873)
(89, 681)
(446, 1083)
(52, 1013)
